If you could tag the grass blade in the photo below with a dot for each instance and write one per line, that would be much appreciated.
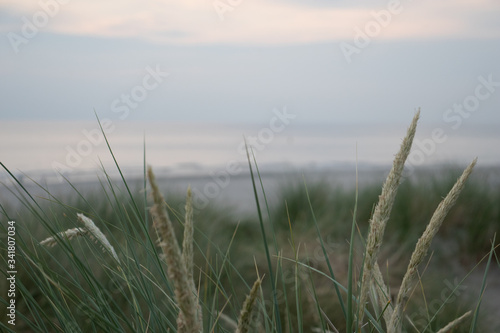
(483, 287)
(330, 269)
(266, 247)
(349, 320)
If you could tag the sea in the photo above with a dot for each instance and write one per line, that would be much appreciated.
(212, 157)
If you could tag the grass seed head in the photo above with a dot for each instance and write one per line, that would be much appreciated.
(245, 319)
(423, 246)
(99, 236)
(381, 215)
(68, 234)
(189, 319)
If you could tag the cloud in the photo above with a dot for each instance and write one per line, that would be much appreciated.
(257, 22)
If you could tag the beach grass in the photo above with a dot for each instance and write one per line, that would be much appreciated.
(323, 259)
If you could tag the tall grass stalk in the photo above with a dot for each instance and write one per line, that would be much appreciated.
(266, 247)
(350, 282)
(279, 268)
(422, 248)
(189, 319)
(245, 320)
(381, 216)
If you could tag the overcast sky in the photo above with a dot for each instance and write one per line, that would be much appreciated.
(233, 61)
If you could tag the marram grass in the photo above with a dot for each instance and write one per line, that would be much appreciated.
(140, 296)
(68, 234)
(381, 215)
(422, 248)
(179, 264)
(245, 320)
(90, 229)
